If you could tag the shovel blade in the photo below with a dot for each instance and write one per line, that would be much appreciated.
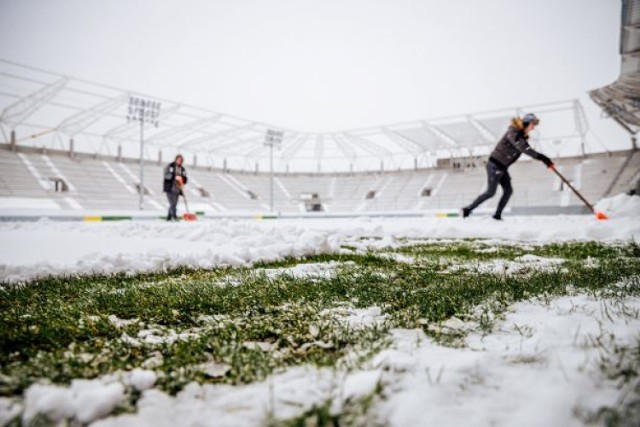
(189, 216)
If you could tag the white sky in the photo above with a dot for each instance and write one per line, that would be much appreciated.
(322, 66)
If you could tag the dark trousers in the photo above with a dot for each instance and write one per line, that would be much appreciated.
(172, 197)
(495, 176)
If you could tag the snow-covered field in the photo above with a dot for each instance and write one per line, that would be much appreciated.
(47, 247)
(551, 359)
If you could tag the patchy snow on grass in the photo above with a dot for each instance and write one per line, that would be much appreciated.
(355, 317)
(321, 270)
(157, 336)
(519, 265)
(539, 367)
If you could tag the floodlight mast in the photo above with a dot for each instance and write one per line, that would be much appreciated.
(143, 111)
(271, 139)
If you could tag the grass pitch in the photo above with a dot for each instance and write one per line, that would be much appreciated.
(238, 325)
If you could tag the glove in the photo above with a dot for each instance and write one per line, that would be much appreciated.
(547, 161)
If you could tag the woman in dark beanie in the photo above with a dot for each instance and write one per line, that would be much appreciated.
(509, 148)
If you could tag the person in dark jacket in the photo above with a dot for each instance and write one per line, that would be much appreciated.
(509, 148)
(175, 178)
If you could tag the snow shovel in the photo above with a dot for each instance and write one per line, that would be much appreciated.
(599, 215)
(188, 216)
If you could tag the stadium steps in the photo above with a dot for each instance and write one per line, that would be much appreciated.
(96, 187)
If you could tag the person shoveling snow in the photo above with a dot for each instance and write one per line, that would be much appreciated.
(509, 148)
(175, 178)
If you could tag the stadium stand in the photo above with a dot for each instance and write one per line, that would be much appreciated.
(106, 184)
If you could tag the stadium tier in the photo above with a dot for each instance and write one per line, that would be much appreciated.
(620, 99)
(53, 180)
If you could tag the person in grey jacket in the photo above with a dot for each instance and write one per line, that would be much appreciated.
(509, 148)
(175, 178)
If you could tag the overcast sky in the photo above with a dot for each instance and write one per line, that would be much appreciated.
(328, 65)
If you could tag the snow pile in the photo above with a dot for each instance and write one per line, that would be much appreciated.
(84, 401)
(621, 205)
(534, 229)
(47, 248)
(281, 397)
(9, 410)
(142, 379)
(50, 248)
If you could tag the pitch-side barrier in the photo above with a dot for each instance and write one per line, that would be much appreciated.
(36, 215)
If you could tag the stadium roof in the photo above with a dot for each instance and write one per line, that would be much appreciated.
(621, 99)
(46, 109)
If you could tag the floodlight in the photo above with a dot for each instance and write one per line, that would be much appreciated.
(272, 138)
(144, 111)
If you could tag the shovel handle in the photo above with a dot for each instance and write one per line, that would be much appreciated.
(577, 193)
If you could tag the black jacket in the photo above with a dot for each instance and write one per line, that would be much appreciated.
(511, 146)
(170, 177)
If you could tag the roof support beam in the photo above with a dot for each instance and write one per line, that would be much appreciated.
(131, 130)
(182, 131)
(368, 145)
(345, 147)
(483, 130)
(237, 142)
(446, 139)
(319, 147)
(291, 149)
(20, 110)
(82, 120)
(289, 137)
(218, 135)
(406, 143)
